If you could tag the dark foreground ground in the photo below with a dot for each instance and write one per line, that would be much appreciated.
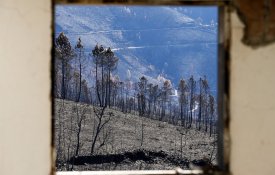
(161, 148)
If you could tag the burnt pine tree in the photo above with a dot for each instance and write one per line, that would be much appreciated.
(205, 101)
(142, 87)
(107, 61)
(200, 103)
(121, 96)
(150, 98)
(80, 56)
(104, 59)
(211, 113)
(111, 65)
(114, 90)
(85, 92)
(80, 117)
(98, 56)
(63, 52)
(166, 91)
(183, 100)
(75, 79)
(155, 96)
(128, 87)
(192, 89)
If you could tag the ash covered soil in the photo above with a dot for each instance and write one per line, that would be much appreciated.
(162, 146)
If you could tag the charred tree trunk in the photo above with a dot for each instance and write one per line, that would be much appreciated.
(80, 80)
(63, 90)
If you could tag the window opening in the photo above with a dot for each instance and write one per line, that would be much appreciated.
(137, 88)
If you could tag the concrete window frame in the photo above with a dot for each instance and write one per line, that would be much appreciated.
(224, 8)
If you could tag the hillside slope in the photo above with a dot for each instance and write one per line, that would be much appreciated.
(124, 138)
(174, 42)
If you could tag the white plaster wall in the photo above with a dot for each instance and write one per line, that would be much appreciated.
(25, 41)
(252, 106)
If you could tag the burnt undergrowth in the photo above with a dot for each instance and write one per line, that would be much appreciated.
(149, 157)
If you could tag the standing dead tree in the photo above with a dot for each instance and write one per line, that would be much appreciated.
(183, 101)
(64, 53)
(166, 91)
(205, 103)
(192, 89)
(80, 57)
(211, 113)
(128, 87)
(201, 104)
(183, 132)
(150, 98)
(142, 87)
(81, 112)
(97, 54)
(111, 64)
(105, 137)
(102, 121)
(105, 59)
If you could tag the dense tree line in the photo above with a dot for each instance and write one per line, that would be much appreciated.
(195, 106)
